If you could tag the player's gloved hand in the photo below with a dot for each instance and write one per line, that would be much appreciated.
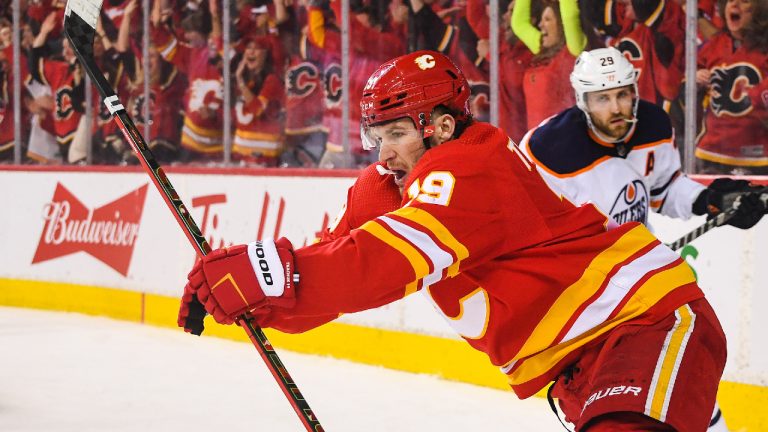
(243, 279)
(726, 193)
(191, 311)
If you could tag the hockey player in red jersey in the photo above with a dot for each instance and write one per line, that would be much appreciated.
(547, 291)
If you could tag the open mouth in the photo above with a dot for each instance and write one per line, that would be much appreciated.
(735, 17)
(399, 175)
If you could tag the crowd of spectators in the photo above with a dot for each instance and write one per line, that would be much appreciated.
(285, 69)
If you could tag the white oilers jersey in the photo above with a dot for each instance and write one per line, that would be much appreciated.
(625, 180)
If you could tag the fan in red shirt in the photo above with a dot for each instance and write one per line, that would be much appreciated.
(732, 68)
(259, 105)
(199, 61)
(166, 92)
(64, 77)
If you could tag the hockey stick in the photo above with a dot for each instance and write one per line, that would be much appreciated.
(715, 222)
(80, 19)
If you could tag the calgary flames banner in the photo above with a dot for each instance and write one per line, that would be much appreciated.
(108, 233)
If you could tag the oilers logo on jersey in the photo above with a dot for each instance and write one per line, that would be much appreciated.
(631, 204)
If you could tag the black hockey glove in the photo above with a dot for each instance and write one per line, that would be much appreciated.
(725, 193)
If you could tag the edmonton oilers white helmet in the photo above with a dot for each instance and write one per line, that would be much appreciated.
(602, 69)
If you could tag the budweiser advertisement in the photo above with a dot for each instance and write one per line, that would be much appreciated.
(107, 233)
(113, 229)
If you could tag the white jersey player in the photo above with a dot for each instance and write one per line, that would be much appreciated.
(617, 151)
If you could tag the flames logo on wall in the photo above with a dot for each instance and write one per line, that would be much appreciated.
(107, 233)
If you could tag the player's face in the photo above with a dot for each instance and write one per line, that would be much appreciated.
(400, 147)
(610, 110)
(738, 13)
(550, 32)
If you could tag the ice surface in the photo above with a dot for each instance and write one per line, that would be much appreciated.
(68, 372)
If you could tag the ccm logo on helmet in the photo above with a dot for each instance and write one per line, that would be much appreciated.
(263, 266)
(425, 62)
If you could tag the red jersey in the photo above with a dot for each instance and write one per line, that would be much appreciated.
(258, 123)
(659, 62)
(6, 115)
(6, 99)
(369, 49)
(304, 91)
(115, 10)
(201, 134)
(513, 62)
(547, 87)
(165, 108)
(67, 96)
(733, 132)
(459, 43)
(519, 273)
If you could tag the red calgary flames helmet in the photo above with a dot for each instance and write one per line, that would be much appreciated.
(412, 86)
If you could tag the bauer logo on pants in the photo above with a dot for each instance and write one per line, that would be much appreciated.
(108, 233)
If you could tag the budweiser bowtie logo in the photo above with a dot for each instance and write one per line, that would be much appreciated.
(107, 233)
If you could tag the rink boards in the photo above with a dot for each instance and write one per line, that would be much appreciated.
(102, 241)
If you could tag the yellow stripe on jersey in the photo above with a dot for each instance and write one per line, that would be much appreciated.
(419, 264)
(607, 15)
(430, 223)
(656, 287)
(168, 50)
(580, 291)
(663, 382)
(651, 20)
(730, 160)
(652, 290)
(447, 36)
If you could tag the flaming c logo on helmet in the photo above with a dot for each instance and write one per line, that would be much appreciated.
(108, 233)
(425, 62)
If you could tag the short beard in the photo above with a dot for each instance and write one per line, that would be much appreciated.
(609, 133)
